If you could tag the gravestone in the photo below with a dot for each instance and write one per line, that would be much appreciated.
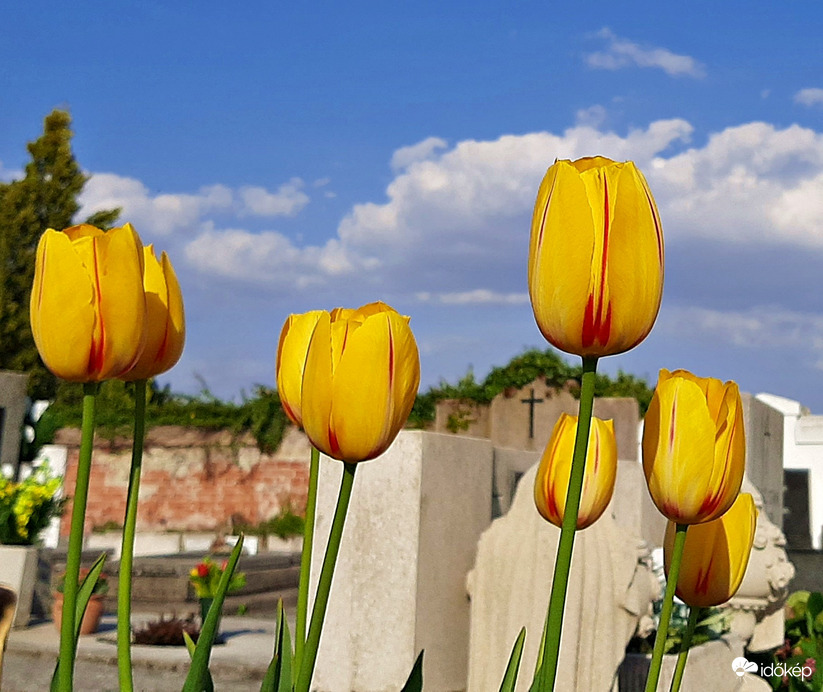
(524, 418)
(764, 454)
(611, 587)
(12, 415)
(410, 538)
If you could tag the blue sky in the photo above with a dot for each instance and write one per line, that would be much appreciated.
(298, 156)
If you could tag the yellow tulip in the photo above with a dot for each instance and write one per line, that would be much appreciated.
(291, 360)
(715, 555)
(361, 375)
(87, 303)
(165, 319)
(552, 481)
(595, 257)
(694, 446)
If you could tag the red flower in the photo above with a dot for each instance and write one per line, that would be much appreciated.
(202, 570)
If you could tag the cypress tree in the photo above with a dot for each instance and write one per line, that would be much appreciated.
(46, 197)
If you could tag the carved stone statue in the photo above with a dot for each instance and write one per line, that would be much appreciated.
(758, 605)
(610, 588)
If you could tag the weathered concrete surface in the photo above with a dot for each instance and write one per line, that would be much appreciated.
(238, 665)
(415, 517)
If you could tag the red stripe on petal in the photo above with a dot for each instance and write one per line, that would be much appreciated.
(97, 351)
(334, 445)
(588, 335)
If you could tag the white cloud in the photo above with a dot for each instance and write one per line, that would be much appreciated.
(477, 296)
(167, 213)
(621, 52)
(268, 257)
(422, 151)
(289, 199)
(156, 214)
(750, 183)
(759, 327)
(809, 97)
(594, 116)
(453, 227)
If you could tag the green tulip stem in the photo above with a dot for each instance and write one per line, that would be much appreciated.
(324, 585)
(685, 644)
(127, 550)
(562, 565)
(305, 560)
(666, 610)
(68, 638)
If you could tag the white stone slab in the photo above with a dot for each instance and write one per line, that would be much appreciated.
(415, 516)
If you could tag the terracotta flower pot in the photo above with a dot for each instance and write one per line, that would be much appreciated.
(91, 618)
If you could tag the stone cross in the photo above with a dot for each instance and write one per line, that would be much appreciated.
(531, 401)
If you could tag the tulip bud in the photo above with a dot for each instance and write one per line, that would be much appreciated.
(360, 379)
(551, 484)
(595, 257)
(87, 302)
(694, 446)
(715, 555)
(165, 320)
(291, 360)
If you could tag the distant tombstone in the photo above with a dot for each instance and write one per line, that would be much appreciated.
(523, 418)
(12, 415)
(764, 454)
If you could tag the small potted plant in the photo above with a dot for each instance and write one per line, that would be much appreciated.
(205, 576)
(94, 609)
(26, 508)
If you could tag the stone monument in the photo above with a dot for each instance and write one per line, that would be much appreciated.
(524, 418)
(610, 588)
(12, 415)
(415, 517)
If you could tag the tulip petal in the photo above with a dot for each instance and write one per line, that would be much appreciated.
(406, 369)
(595, 257)
(165, 328)
(122, 300)
(176, 319)
(291, 361)
(62, 321)
(363, 386)
(678, 449)
(635, 269)
(554, 472)
(316, 392)
(562, 242)
(715, 555)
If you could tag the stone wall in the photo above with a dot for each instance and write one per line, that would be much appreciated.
(192, 480)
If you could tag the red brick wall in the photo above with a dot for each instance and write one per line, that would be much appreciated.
(191, 480)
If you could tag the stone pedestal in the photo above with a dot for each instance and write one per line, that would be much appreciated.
(18, 571)
(415, 517)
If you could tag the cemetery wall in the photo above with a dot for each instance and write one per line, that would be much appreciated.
(192, 480)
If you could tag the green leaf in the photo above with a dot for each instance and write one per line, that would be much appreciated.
(415, 681)
(198, 672)
(190, 646)
(279, 673)
(510, 678)
(814, 607)
(539, 662)
(83, 595)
